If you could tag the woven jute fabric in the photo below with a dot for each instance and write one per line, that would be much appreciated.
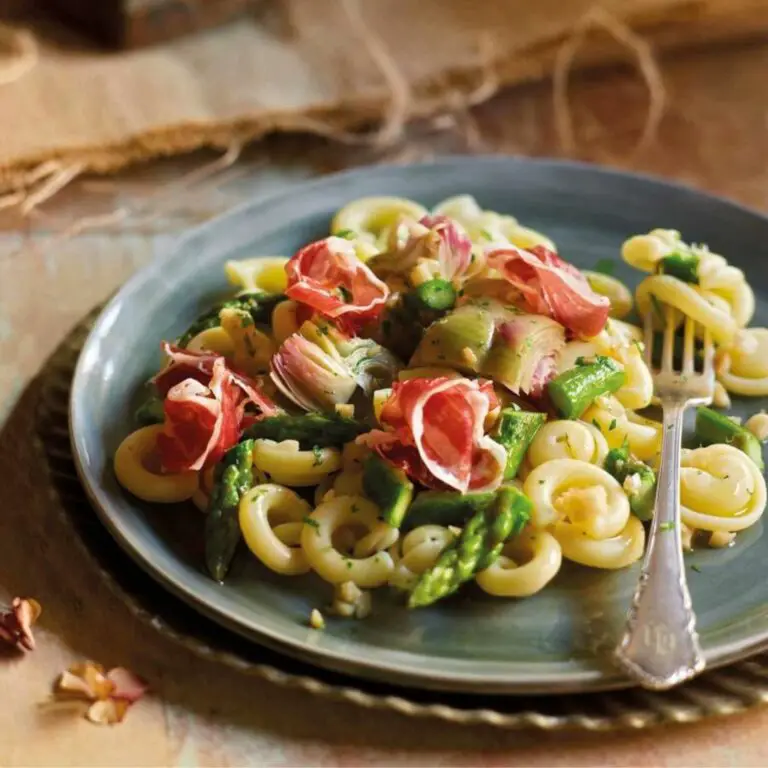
(326, 66)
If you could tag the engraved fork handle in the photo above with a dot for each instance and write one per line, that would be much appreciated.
(660, 647)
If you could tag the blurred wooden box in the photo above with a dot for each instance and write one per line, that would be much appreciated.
(133, 23)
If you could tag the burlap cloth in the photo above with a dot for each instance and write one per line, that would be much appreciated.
(325, 66)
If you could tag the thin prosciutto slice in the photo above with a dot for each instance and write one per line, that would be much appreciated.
(205, 409)
(328, 277)
(454, 248)
(550, 286)
(435, 433)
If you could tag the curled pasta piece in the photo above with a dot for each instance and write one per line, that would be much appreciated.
(488, 226)
(618, 341)
(253, 348)
(285, 463)
(618, 551)
(618, 424)
(213, 340)
(320, 535)
(262, 273)
(418, 552)
(587, 496)
(372, 218)
(743, 368)
(271, 520)
(721, 489)
(567, 440)
(526, 565)
(285, 321)
(202, 495)
(134, 460)
(616, 292)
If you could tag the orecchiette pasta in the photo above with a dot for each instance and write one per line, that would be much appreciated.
(285, 463)
(743, 367)
(526, 565)
(619, 424)
(353, 513)
(133, 460)
(263, 273)
(271, 519)
(371, 218)
(418, 551)
(253, 348)
(721, 489)
(567, 440)
(616, 292)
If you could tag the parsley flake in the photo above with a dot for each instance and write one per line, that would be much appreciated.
(347, 234)
(612, 425)
(312, 523)
(317, 452)
(696, 568)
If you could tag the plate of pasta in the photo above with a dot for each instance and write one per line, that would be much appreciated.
(397, 422)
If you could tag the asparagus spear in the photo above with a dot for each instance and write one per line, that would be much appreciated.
(259, 305)
(642, 491)
(515, 430)
(388, 487)
(478, 546)
(572, 392)
(233, 478)
(714, 427)
(310, 429)
(445, 508)
(684, 266)
(150, 411)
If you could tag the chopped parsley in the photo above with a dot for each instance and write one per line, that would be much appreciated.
(354, 509)
(317, 452)
(696, 568)
(596, 424)
(346, 295)
(612, 425)
(486, 234)
(347, 234)
(312, 523)
(246, 321)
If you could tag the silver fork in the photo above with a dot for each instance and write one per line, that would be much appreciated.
(660, 647)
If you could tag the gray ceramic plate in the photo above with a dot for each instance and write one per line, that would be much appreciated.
(557, 641)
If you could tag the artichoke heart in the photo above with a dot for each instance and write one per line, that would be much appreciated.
(321, 367)
(495, 340)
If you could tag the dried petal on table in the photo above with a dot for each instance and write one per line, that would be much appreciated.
(16, 623)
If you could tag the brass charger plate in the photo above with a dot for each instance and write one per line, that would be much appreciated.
(728, 690)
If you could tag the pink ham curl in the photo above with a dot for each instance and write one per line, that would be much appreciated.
(552, 287)
(204, 406)
(454, 253)
(436, 435)
(328, 277)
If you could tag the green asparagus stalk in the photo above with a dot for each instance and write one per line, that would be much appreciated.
(478, 547)
(713, 427)
(310, 429)
(641, 492)
(437, 295)
(446, 508)
(233, 478)
(150, 411)
(259, 305)
(684, 266)
(573, 392)
(389, 488)
(515, 430)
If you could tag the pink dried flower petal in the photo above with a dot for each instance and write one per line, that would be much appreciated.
(128, 687)
(16, 623)
(108, 712)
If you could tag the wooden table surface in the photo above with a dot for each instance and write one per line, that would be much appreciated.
(714, 135)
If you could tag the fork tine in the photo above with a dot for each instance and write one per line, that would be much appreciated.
(709, 354)
(688, 336)
(648, 339)
(669, 339)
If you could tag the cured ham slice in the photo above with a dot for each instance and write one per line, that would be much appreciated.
(435, 433)
(328, 277)
(550, 286)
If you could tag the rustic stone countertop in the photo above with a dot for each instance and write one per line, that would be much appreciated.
(714, 135)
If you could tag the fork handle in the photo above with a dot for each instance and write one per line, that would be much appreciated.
(660, 647)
